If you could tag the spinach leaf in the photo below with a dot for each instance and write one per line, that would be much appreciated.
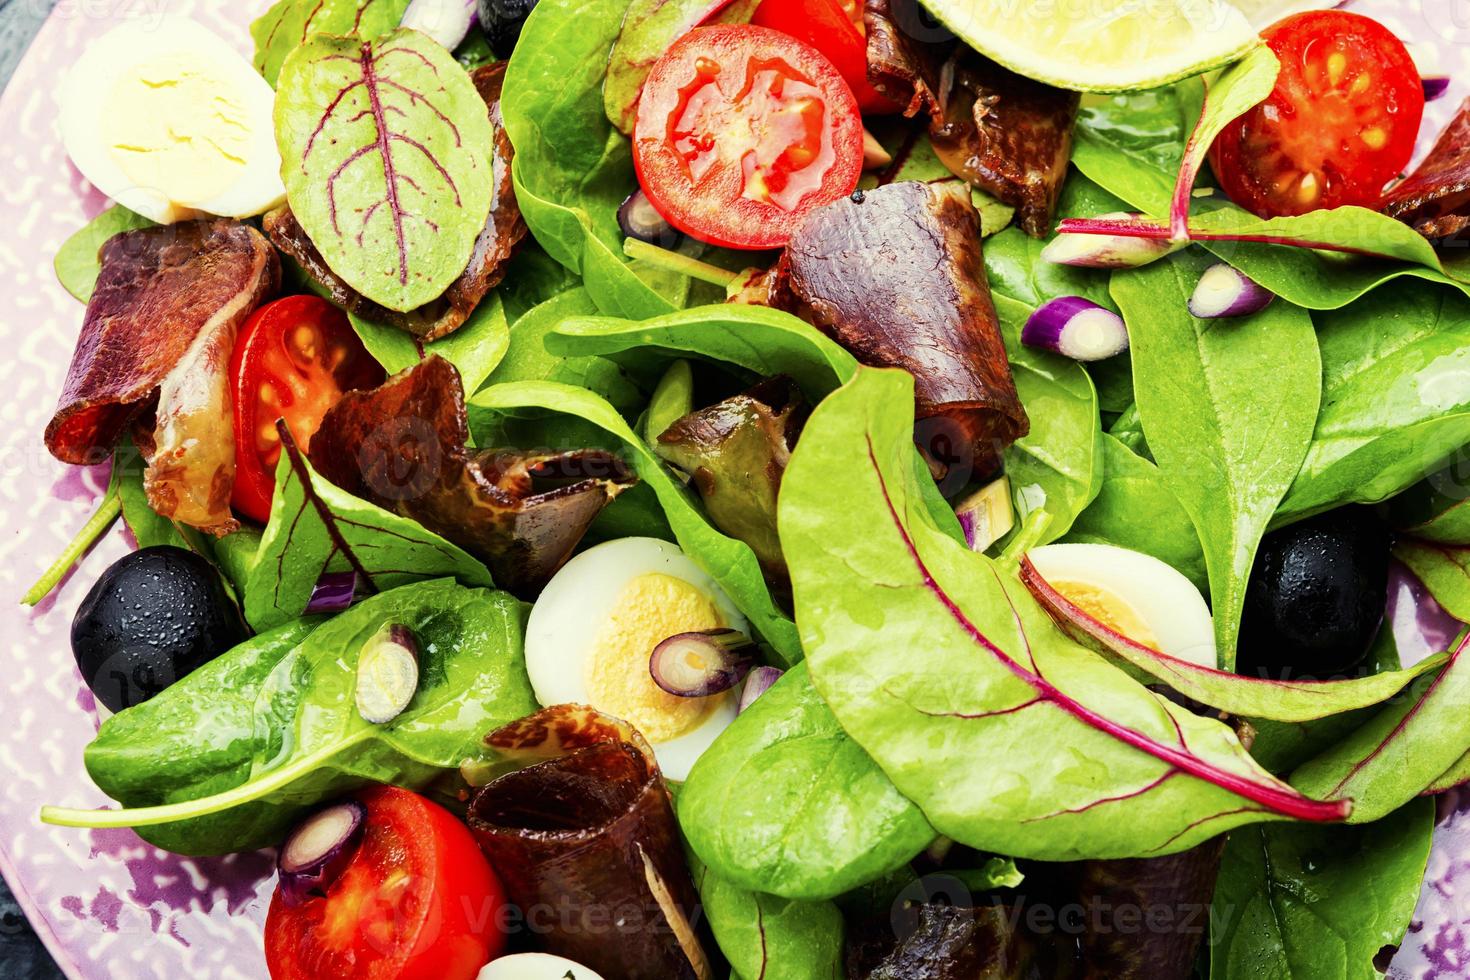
(388, 153)
(529, 359)
(76, 263)
(649, 28)
(306, 740)
(770, 938)
(784, 802)
(474, 349)
(1030, 745)
(1228, 444)
(1395, 403)
(572, 168)
(1318, 901)
(1401, 751)
(287, 24)
(1437, 508)
(1138, 511)
(316, 527)
(1132, 146)
(729, 562)
(1444, 569)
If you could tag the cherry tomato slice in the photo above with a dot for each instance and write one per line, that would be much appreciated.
(293, 360)
(835, 28)
(741, 131)
(1340, 124)
(417, 902)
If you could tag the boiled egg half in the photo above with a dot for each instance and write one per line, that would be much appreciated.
(535, 966)
(171, 122)
(593, 629)
(1137, 595)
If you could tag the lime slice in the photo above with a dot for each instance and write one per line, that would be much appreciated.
(1099, 45)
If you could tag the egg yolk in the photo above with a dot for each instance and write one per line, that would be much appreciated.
(1110, 609)
(175, 126)
(650, 609)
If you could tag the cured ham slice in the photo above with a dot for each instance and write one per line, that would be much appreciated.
(159, 331)
(895, 275)
(502, 232)
(581, 825)
(1435, 199)
(403, 447)
(901, 65)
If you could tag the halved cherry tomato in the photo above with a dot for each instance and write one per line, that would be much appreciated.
(418, 901)
(835, 28)
(741, 131)
(1340, 124)
(293, 360)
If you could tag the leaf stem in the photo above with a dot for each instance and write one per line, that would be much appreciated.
(101, 519)
(662, 258)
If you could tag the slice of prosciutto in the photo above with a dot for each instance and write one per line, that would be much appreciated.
(580, 829)
(1435, 199)
(906, 53)
(895, 275)
(402, 446)
(159, 332)
(503, 230)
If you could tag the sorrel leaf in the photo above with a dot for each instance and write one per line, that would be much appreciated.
(475, 349)
(305, 738)
(1402, 750)
(729, 562)
(1228, 442)
(316, 527)
(388, 149)
(76, 260)
(1250, 697)
(1395, 402)
(287, 25)
(785, 802)
(1010, 738)
(1318, 901)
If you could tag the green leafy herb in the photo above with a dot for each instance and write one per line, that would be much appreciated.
(388, 154)
(649, 28)
(729, 562)
(1395, 402)
(306, 740)
(1318, 901)
(770, 938)
(1031, 746)
(1136, 510)
(77, 266)
(316, 527)
(1444, 569)
(1227, 444)
(90, 533)
(287, 25)
(673, 398)
(572, 168)
(1437, 508)
(784, 802)
(474, 349)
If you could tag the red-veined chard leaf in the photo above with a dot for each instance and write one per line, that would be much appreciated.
(287, 25)
(1227, 444)
(1249, 697)
(390, 161)
(1444, 569)
(1011, 738)
(316, 527)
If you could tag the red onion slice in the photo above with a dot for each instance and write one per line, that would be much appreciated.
(1077, 328)
(1224, 291)
(1421, 626)
(696, 665)
(640, 220)
(446, 21)
(1435, 86)
(387, 674)
(318, 850)
(757, 683)
(1109, 251)
(333, 592)
(987, 515)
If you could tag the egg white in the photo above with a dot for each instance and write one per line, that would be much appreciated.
(535, 966)
(1167, 602)
(575, 604)
(108, 60)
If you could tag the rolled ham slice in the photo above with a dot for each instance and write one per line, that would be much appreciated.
(1435, 199)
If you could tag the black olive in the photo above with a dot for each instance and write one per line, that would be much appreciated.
(1316, 596)
(501, 21)
(153, 617)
